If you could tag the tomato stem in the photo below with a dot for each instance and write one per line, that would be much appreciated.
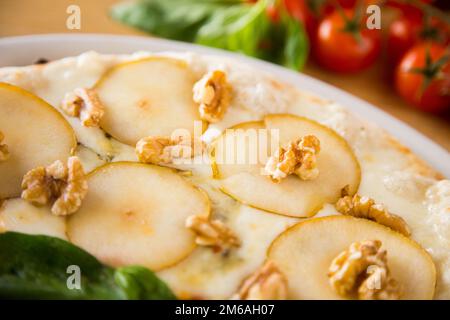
(352, 25)
(431, 70)
(315, 6)
(430, 32)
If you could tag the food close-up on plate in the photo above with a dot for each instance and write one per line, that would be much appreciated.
(217, 152)
(183, 172)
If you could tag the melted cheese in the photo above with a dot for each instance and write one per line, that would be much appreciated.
(387, 174)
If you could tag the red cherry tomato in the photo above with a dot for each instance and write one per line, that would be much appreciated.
(306, 9)
(311, 11)
(273, 13)
(344, 45)
(410, 11)
(330, 5)
(425, 85)
(301, 11)
(347, 4)
(404, 33)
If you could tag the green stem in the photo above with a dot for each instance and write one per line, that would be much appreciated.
(431, 70)
(351, 25)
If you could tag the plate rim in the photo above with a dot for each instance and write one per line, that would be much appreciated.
(434, 154)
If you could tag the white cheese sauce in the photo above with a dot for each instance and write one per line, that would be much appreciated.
(388, 175)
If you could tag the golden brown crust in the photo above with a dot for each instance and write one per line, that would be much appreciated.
(415, 164)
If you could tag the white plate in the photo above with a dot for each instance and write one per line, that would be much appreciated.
(27, 49)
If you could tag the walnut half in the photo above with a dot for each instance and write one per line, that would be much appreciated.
(364, 207)
(300, 158)
(163, 150)
(212, 93)
(151, 149)
(85, 104)
(267, 283)
(212, 233)
(64, 185)
(4, 152)
(361, 271)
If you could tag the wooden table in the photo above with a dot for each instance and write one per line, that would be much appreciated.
(19, 17)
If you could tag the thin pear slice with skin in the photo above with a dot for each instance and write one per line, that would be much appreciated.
(147, 97)
(36, 135)
(135, 214)
(305, 251)
(19, 215)
(228, 159)
(294, 197)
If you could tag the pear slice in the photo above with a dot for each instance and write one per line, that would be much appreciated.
(35, 133)
(294, 197)
(305, 251)
(135, 214)
(237, 150)
(147, 97)
(20, 216)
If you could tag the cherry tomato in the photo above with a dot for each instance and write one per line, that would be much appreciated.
(348, 4)
(330, 5)
(311, 11)
(410, 11)
(301, 11)
(273, 13)
(346, 45)
(404, 33)
(425, 84)
(305, 10)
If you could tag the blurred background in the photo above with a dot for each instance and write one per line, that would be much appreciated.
(401, 65)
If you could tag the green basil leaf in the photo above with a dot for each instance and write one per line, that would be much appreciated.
(174, 19)
(140, 283)
(36, 267)
(226, 24)
(237, 28)
(296, 47)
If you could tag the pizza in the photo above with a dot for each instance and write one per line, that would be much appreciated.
(224, 180)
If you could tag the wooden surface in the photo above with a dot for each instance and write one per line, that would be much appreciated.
(20, 17)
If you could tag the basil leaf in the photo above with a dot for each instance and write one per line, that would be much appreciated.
(226, 24)
(237, 28)
(296, 47)
(35, 267)
(174, 19)
(139, 283)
